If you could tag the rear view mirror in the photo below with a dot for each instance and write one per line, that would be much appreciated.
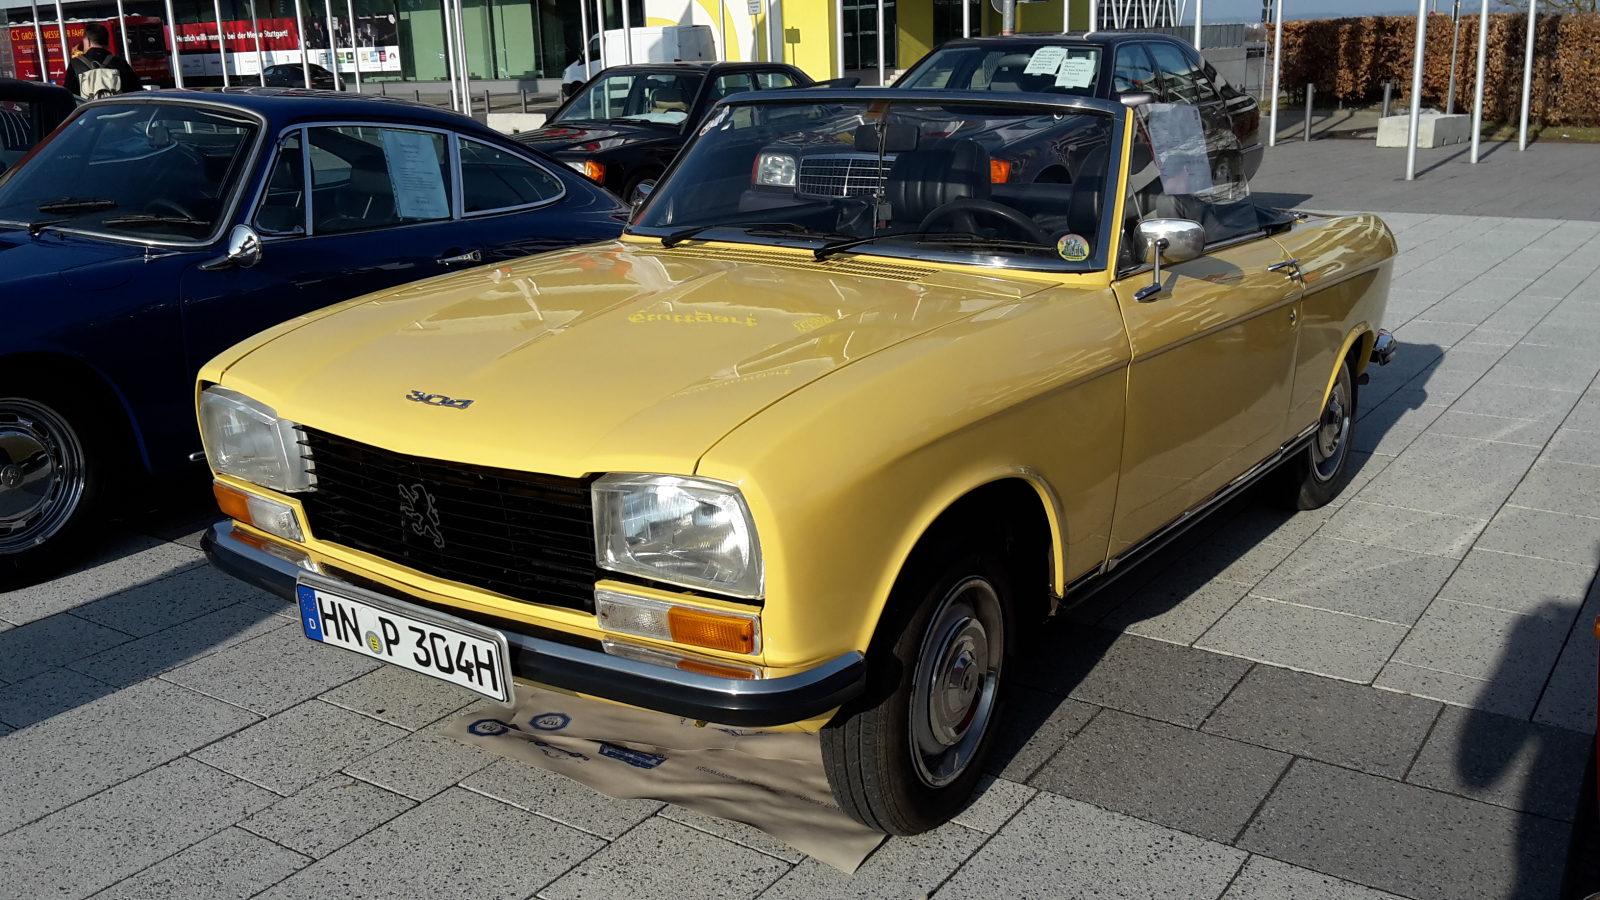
(901, 138)
(1167, 241)
(244, 251)
(641, 193)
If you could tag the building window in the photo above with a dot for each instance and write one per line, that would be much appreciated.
(947, 19)
(861, 34)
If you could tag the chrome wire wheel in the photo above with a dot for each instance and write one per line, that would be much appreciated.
(957, 681)
(1331, 442)
(42, 474)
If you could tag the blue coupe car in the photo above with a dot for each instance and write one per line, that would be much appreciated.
(153, 231)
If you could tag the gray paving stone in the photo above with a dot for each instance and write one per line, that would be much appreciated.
(1345, 724)
(400, 697)
(128, 562)
(1573, 446)
(1561, 487)
(273, 672)
(96, 843)
(901, 869)
(148, 608)
(229, 865)
(737, 832)
(1586, 413)
(675, 860)
(1174, 610)
(76, 753)
(1531, 432)
(1518, 584)
(1514, 652)
(1406, 839)
(1158, 680)
(1550, 368)
(1457, 371)
(559, 798)
(299, 746)
(457, 845)
(1454, 476)
(1382, 525)
(1464, 310)
(421, 765)
(44, 644)
(1056, 847)
(42, 696)
(127, 663)
(1535, 532)
(1392, 425)
(1308, 640)
(1513, 402)
(1033, 725)
(325, 816)
(1569, 697)
(1360, 579)
(1508, 762)
(1188, 780)
(993, 804)
(1267, 879)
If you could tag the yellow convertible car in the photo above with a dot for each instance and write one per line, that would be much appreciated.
(853, 404)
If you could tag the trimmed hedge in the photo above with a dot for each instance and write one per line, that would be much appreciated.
(1351, 58)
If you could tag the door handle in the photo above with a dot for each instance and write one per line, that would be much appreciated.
(472, 256)
(1289, 267)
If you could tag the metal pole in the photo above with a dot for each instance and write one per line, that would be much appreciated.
(466, 65)
(333, 46)
(1455, 43)
(1527, 73)
(1477, 91)
(355, 45)
(122, 25)
(583, 26)
(1416, 89)
(1008, 17)
(38, 39)
(627, 34)
(66, 55)
(486, 102)
(255, 26)
(600, 19)
(1094, 16)
(299, 39)
(1311, 92)
(838, 33)
(722, 27)
(1199, 14)
(172, 35)
(222, 41)
(881, 71)
(1277, 71)
(451, 60)
(966, 21)
(1388, 94)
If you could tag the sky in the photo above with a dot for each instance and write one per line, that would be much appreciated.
(1219, 11)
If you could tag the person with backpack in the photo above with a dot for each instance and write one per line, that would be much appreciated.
(97, 72)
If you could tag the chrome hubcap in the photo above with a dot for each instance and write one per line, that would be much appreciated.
(1327, 448)
(957, 679)
(41, 474)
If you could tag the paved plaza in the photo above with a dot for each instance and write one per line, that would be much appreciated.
(1390, 696)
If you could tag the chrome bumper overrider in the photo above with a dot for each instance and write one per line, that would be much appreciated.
(753, 703)
(1383, 348)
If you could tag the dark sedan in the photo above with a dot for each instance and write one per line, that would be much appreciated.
(153, 231)
(624, 127)
(1104, 64)
(29, 111)
(291, 75)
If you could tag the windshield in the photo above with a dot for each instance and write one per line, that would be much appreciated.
(1044, 68)
(662, 98)
(995, 179)
(16, 131)
(152, 171)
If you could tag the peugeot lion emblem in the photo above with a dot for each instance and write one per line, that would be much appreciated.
(416, 505)
(437, 400)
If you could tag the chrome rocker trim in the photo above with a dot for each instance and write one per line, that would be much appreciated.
(752, 703)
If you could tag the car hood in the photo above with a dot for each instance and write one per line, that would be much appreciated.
(614, 357)
(592, 139)
(84, 263)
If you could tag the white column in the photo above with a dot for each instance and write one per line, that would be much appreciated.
(355, 44)
(722, 27)
(38, 40)
(451, 61)
(1416, 89)
(333, 46)
(255, 28)
(66, 55)
(172, 36)
(1477, 91)
(583, 35)
(1527, 73)
(122, 25)
(600, 20)
(1277, 71)
(466, 66)
(881, 68)
(627, 33)
(222, 41)
(1199, 17)
(1094, 15)
(300, 38)
(774, 34)
(838, 33)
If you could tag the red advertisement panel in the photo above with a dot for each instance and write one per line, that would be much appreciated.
(148, 56)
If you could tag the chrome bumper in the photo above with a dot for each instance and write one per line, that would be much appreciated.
(752, 703)
(1383, 348)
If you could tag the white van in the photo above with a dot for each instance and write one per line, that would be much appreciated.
(671, 43)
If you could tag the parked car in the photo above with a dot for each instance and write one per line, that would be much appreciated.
(668, 43)
(153, 231)
(29, 111)
(623, 128)
(291, 75)
(818, 464)
(1104, 64)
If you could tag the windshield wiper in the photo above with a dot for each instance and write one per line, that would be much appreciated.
(153, 220)
(759, 228)
(34, 228)
(928, 237)
(678, 237)
(73, 205)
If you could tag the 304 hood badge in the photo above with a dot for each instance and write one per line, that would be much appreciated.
(437, 400)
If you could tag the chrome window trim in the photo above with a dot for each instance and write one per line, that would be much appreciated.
(225, 220)
(502, 210)
(266, 181)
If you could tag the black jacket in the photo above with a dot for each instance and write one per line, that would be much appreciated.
(130, 80)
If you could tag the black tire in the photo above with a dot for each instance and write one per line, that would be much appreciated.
(1315, 475)
(634, 181)
(54, 472)
(876, 749)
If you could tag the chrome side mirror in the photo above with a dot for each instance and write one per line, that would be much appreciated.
(641, 193)
(244, 250)
(1167, 241)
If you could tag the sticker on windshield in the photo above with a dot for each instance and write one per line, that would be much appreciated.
(1045, 61)
(415, 175)
(715, 121)
(1075, 73)
(1072, 248)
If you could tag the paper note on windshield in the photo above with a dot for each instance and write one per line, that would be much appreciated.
(415, 174)
(1075, 73)
(1179, 142)
(1045, 61)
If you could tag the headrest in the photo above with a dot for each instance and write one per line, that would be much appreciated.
(899, 137)
(370, 175)
(945, 170)
(668, 98)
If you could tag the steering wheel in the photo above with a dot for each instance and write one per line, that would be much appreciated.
(172, 205)
(964, 209)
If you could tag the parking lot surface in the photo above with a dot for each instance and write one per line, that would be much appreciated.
(1393, 695)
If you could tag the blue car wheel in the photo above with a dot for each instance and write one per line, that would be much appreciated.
(45, 484)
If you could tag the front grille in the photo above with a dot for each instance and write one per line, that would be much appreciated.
(840, 176)
(529, 537)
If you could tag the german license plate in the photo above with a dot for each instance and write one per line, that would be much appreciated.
(411, 637)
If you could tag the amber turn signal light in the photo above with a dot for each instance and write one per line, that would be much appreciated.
(703, 629)
(268, 515)
(596, 172)
(999, 171)
(235, 504)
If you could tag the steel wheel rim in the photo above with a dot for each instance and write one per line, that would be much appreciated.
(42, 474)
(1329, 443)
(956, 681)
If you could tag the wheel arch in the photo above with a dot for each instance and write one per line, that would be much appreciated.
(72, 373)
(1357, 350)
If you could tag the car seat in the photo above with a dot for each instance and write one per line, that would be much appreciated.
(925, 179)
(668, 100)
(367, 199)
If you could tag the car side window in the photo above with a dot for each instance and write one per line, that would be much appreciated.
(493, 179)
(366, 177)
(728, 85)
(283, 207)
(1134, 72)
(1174, 174)
(774, 80)
(1205, 77)
(1177, 75)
